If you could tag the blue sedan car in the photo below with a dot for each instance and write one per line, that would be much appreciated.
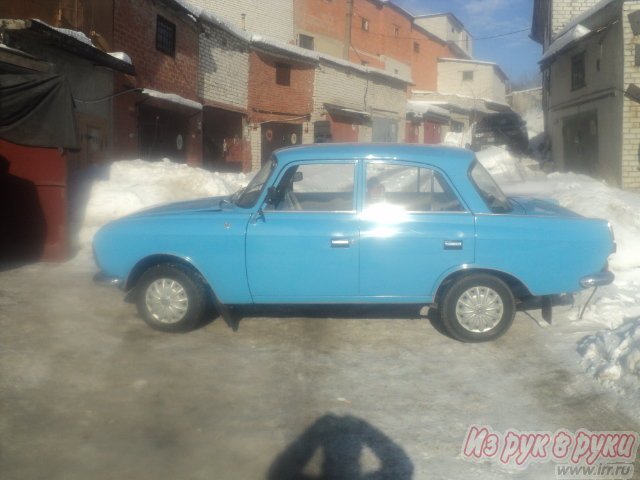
(363, 223)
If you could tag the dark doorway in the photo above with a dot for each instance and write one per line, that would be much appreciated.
(580, 134)
(163, 133)
(223, 146)
(278, 135)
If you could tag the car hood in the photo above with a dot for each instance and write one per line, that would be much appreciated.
(202, 204)
(539, 207)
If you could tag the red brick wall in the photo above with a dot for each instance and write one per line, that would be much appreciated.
(284, 102)
(327, 18)
(135, 33)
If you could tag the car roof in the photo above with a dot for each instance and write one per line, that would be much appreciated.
(438, 156)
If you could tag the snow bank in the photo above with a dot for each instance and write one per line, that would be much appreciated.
(135, 184)
(613, 357)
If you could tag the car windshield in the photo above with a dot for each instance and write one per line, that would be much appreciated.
(489, 190)
(248, 197)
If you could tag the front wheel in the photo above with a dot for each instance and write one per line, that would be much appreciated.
(478, 308)
(170, 298)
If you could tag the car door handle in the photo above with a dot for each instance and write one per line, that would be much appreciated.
(453, 244)
(340, 243)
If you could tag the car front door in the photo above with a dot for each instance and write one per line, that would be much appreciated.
(302, 246)
(413, 229)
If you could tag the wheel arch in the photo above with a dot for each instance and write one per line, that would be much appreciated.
(517, 287)
(158, 259)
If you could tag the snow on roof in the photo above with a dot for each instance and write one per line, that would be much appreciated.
(173, 98)
(569, 37)
(526, 90)
(212, 18)
(194, 10)
(121, 56)
(272, 44)
(577, 20)
(422, 107)
(80, 36)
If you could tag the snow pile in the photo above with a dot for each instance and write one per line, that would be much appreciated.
(135, 184)
(613, 357)
(535, 121)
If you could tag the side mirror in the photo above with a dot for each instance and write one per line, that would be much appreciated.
(297, 177)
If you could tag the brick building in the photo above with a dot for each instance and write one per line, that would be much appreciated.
(155, 113)
(165, 119)
(375, 33)
(591, 88)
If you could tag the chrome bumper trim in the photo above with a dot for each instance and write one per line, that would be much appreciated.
(597, 279)
(104, 279)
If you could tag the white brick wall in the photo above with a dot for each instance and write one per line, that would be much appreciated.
(631, 109)
(564, 10)
(273, 18)
(339, 86)
(443, 27)
(486, 82)
(224, 68)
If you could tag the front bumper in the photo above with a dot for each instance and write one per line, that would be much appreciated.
(105, 279)
(597, 279)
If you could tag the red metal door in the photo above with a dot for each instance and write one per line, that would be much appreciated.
(343, 129)
(432, 133)
(412, 132)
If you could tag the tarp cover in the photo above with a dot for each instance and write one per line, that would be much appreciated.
(37, 110)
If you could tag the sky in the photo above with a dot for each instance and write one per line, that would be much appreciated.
(517, 54)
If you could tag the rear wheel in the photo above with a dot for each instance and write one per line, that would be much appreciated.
(170, 298)
(478, 308)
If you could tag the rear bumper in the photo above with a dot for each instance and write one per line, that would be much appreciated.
(597, 279)
(104, 279)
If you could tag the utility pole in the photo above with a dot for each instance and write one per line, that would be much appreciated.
(347, 30)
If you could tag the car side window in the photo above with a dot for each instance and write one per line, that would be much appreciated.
(315, 187)
(408, 188)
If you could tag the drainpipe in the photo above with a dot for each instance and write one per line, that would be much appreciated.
(347, 30)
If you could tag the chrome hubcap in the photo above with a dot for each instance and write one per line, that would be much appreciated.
(479, 309)
(166, 300)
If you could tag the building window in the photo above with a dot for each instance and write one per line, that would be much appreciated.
(365, 24)
(305, 41)
(283, 74)
(578, 79)
(467, 76)
(416, 47)
(396, 31)
(165, 36)
(364, 63)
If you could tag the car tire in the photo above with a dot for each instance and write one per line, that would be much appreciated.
(170, 298)
(477, 308)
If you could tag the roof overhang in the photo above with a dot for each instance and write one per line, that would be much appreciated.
(170, 101)
(346, 112)
(41, 32)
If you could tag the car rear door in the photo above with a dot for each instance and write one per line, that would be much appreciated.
(414, 228)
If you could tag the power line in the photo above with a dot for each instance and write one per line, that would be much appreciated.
(503, 34)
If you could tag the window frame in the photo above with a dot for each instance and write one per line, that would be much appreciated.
(578, 77)
(165, 32)
(266, 208)
(440, 176)
(308, 40)
(283, 74)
